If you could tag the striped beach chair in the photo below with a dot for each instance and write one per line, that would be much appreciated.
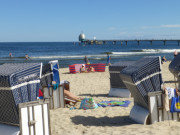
(117, 87)
(50, 73)
(174, 68)
(19, 83)
(144, 80)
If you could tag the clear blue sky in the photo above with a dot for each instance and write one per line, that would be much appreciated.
(64, 20)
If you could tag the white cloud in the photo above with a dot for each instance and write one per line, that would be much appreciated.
(112, 28)
(161, 26)
(171, 26)
(122, 33)
(148, 27)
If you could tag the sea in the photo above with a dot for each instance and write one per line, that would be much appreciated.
(68, 53)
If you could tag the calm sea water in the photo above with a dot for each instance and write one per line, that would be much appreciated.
(72, 53)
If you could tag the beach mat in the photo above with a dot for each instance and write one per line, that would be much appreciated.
(114, 103)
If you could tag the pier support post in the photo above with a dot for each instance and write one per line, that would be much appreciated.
(151, 42)
(138, 42)
(164, 42)
(121, 43)
(178, 43)
(126, 42)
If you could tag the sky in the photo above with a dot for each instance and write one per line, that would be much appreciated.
(64, 20)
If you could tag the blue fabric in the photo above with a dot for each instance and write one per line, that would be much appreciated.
(108, 59)
(56, 74)
(114, 103)
(175, 104)
(55, 86)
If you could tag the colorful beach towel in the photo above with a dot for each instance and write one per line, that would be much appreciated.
(114, 103)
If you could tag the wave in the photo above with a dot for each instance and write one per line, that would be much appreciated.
(97, 56)
(145, 51)
(161, 50)
(69, 57)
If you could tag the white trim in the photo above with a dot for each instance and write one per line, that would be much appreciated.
(46, 74)
(160, 63)
(19, 85)
(145, 78)
(40, 70)
(53, 61)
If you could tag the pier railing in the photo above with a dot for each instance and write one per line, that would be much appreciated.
(101, 42)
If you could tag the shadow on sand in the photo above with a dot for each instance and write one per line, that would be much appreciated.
(94, 95)
(66, 73)
(103, 121)
(170, 81)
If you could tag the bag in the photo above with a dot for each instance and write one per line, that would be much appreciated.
(175, 104)
(88, 103)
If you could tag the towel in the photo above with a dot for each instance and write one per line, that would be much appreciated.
(171, 92)
(55, 86)
(114, 103)
(166, 100)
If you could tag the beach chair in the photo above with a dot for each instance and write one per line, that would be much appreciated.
(19, 83)
(174, 68)
(117, 87)
(144, 80)
(55, 96)
(50, 72)
(34, 119)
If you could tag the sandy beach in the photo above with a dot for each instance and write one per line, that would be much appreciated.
(108, 120)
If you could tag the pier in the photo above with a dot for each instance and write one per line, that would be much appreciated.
(84, 41)
(122, 42)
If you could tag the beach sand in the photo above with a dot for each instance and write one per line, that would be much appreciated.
(108, 120)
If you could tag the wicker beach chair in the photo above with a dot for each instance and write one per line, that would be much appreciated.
(144, 80)
(174, 68)
(117, 87)
(50, 73)
(19, 83)
(33, 119)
